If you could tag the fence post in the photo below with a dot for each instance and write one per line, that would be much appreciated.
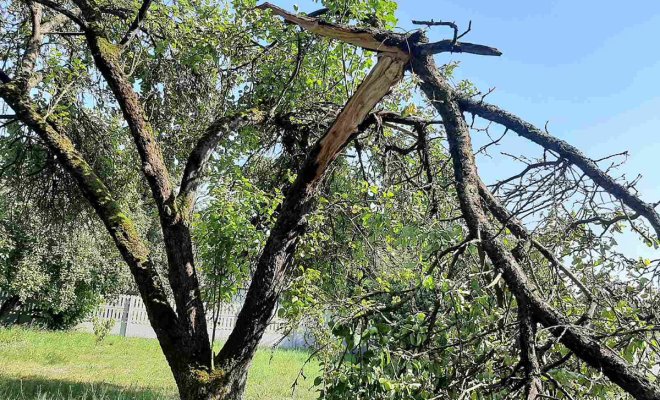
(123, 326)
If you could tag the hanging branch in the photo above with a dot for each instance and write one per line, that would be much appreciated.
(566, 151)
(589, 349)
(366, 38)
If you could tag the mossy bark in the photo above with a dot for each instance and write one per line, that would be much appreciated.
(182, 274)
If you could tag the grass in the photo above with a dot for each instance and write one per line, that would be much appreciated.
(72, 366)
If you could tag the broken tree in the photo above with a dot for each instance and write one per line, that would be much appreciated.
(182, 328)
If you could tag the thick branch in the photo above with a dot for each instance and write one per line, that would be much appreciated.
(182, 274)
(449, 46)
(271, 271)
(199, 156)
(106, 57)
(566, 151)
(120, 227)
(584, 346)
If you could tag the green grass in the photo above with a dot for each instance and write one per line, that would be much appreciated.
(72, 366)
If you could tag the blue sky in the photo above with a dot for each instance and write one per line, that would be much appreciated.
(591, 69)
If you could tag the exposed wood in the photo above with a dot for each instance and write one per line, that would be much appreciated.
(271, 272)
(366, 38)
(375, 86)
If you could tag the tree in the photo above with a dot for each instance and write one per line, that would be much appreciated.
(148, 66)
(54, 275)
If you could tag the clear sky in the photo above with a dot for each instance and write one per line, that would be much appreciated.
(589, 68)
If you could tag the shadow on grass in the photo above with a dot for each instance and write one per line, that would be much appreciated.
(38, 388)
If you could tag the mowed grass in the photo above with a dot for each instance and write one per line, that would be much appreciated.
(72, 366)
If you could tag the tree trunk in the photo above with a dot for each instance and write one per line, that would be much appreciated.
(215, 385)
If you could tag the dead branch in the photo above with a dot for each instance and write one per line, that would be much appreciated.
(566, 151)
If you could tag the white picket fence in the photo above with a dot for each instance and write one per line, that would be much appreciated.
(130, 316)
(130, 319)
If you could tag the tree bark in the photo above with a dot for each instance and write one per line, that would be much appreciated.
(135, 253)
(182, 274)
(528, 357)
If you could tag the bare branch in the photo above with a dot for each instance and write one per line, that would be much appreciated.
(566, 151)
(32, 51)
(449, 46)
(516, 227)
(445, 23)
(598, 356)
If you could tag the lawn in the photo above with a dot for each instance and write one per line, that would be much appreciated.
(72, 366)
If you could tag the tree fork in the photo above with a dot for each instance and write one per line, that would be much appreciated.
(269, 277)
(176, 231)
